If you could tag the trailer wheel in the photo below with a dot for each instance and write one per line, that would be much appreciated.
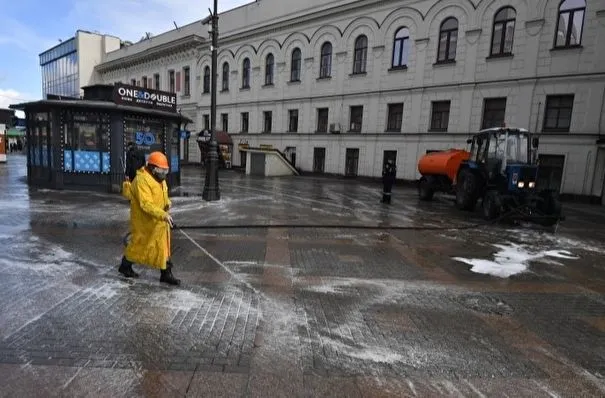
(491, 207)
(426, 188)
(466, 190)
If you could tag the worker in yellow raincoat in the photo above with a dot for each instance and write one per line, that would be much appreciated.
(150, 222)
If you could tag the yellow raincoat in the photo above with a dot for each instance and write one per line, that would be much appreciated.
(150, 233)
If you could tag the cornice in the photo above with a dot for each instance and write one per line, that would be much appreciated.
(187, 45)
(261, 30)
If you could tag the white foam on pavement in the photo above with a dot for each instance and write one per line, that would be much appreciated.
(512, 259)
(365, 353)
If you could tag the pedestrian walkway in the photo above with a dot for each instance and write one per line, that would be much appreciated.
(296, 309)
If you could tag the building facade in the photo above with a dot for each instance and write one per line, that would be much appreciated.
(69, 66)
(340, 86)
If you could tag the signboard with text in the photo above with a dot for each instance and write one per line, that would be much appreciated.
(124, 94)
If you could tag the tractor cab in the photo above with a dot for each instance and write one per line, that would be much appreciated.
(506, 158)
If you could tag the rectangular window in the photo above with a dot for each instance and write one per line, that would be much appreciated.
(245, 121)
(178, 81)
(225, 121)
(147, 134)
(493, 112)
(156, 84)
(187, 81)
(395, 117)
(440, 115)
(356, 118)
(322, 120)
(293, 120)
(171, 85)
(206, 122)
(86, 137)
(144, 81)
(268, 121)
(557, 115)
(133, 82)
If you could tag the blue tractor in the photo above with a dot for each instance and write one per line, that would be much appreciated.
(503, 172)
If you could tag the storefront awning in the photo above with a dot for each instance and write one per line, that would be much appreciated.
(223, 138)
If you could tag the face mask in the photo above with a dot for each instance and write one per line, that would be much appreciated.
(160, 174)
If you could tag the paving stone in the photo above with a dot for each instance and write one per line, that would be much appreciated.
(298, 311)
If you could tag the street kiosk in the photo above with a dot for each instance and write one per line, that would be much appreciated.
(81, 143)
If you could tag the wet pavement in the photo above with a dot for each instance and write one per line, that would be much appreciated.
(297, 309)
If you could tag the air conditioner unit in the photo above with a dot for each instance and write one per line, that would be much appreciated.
(334, 127)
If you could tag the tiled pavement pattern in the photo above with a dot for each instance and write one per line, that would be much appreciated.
(294, 311)
(125, 325)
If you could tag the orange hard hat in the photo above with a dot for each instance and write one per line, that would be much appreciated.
(158, 159)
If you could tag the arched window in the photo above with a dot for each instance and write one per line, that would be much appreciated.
(225, 85)
(360, 55)
(401, 48)
(504, 32)
(325, 66)
(269, 69)
(295, 67)
(448, 39)
(246, 73)
(570, 23)
(206, 79)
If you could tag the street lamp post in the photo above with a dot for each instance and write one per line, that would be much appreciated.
(211, 188)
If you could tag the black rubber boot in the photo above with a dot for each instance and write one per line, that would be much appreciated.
(167, 277)
(126, 269)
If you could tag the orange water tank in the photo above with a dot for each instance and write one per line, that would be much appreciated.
(443, 163)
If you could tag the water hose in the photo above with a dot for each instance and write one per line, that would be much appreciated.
(516, 210)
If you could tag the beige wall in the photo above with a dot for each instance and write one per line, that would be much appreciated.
(533, 72)
(91, 49)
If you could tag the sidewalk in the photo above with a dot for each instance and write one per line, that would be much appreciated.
(296, 311)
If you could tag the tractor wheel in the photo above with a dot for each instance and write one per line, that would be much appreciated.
(491, 207)
(426, 188)
(466, 190)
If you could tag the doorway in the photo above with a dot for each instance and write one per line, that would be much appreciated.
(550, 172)
(351, 162)
(186, 152)
(257, 164)
(319, 160)
(389, 155)
(290, 152)
(242, 159)
(600, 175)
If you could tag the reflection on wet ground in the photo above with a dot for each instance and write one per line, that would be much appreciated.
(300, 310)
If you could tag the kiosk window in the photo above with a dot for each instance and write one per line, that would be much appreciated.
(147, 134)
(175, 145)
(39, 137)
(86, 139)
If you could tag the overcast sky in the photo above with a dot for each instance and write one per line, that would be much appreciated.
(29, 27)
